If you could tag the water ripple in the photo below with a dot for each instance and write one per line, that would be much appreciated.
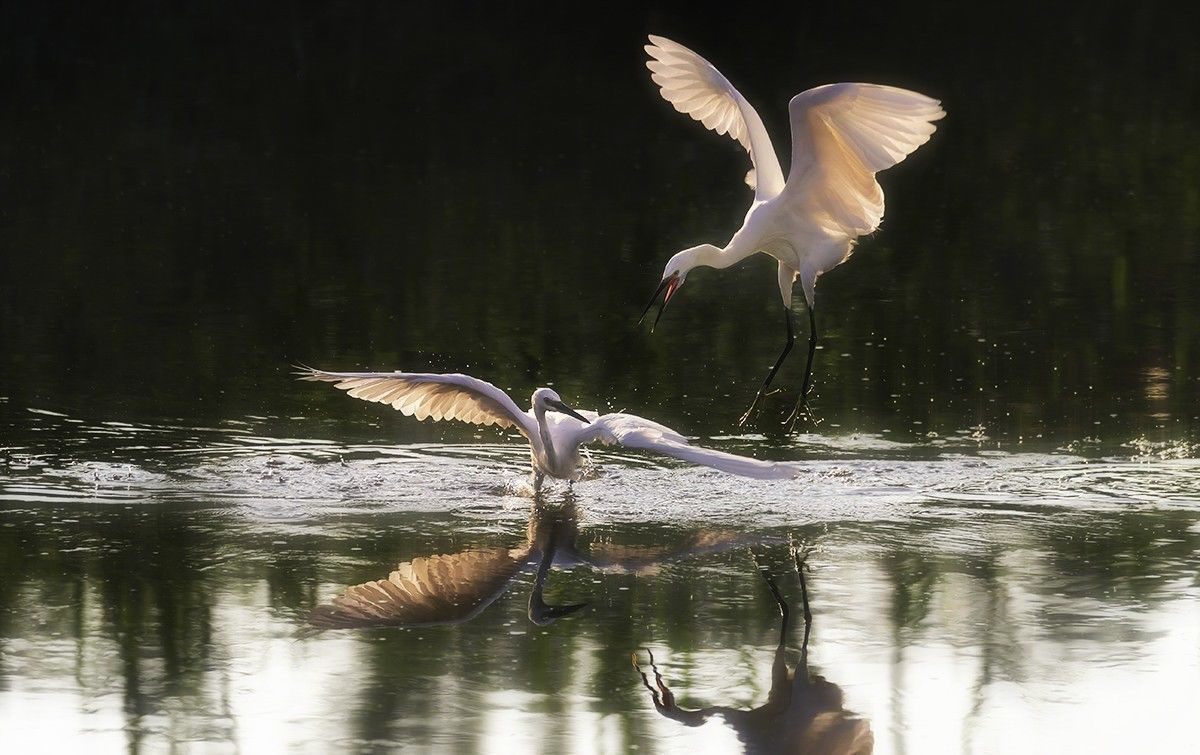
(847, 478)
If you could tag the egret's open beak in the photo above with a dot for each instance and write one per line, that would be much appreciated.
(669, 285)
(561, 407)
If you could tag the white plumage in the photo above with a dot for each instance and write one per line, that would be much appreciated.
(695, 87)
(555, 431)
(842, 135)
(429, 395)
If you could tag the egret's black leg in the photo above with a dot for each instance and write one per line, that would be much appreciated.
(787, 347)
(802, 403)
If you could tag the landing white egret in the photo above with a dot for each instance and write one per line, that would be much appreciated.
(842, 135)
(554, 430)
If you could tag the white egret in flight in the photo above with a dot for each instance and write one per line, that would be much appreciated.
(554, 430)
(842, 135)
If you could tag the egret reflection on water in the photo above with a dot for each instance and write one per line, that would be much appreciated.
(842, 135)
(454, 588)
(804, 712)
(554, 430)
(449, 589)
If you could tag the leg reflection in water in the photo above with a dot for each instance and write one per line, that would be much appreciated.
(803, 713)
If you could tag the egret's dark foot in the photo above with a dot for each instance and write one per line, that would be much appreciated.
(801, 412)
(756, 406)
(804, 417)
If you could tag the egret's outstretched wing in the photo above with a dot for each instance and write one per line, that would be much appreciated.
(694, 86)
(842, 135)
(428, 395)
(636, 432)
(425, 591)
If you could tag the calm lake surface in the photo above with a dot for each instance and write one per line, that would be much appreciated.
(1000, 511)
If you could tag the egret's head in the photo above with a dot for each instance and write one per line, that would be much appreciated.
(676, 272)
(673, 276)
(548, 400)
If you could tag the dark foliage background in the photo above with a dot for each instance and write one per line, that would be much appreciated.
(193, 196)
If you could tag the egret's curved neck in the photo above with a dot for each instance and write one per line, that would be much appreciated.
(708, 255)
(544, 444)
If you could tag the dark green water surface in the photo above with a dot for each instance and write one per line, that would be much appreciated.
(1000, 506)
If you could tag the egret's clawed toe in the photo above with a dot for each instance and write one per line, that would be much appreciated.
(753, 411)
(756, 406)
(801, 412)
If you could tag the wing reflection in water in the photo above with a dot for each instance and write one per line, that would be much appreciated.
(803, 713)
(454, 588)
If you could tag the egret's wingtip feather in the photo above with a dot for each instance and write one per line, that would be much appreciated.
(430, 396)
(696, 88)
(304, 372)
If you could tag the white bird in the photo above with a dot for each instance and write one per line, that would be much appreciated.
(554, 430)
(842, 135)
